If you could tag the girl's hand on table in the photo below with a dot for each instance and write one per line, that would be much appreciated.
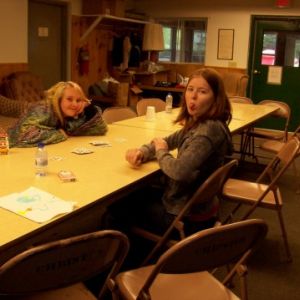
(134, 157)
(160, 144)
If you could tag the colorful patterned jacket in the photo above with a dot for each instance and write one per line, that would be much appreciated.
(41, 124)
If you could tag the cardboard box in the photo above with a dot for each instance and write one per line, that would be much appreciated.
(119, 91)
(122, 94)
(150, 78)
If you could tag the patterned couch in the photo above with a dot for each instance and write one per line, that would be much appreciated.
(18, 90)
(10, 110)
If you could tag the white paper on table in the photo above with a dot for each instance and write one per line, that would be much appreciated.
(36, 205)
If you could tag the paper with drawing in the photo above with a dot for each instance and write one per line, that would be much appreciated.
(36, 205)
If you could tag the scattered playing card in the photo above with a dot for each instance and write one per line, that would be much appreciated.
(82, 150)
(120, 140)
(56, 158)
(100, 143)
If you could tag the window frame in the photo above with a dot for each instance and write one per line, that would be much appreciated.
(182, 39)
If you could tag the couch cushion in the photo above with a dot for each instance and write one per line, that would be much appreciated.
(11, 108)
(23, 86)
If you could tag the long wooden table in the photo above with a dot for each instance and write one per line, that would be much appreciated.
(244, 115)
(102, 177)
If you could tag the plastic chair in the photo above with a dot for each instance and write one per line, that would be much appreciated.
(141, 106)
(259, 194)
(207, 191)
(274, 146)
(181, 272)
(117, 113)
(55, 270)
(283, 112)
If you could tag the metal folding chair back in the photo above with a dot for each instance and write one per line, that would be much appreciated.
(63, 263)
(141, 106)
(180, 272)
(117, 113)
(210, 188)
(284, 112)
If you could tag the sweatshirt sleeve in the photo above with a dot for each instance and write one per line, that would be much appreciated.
(206, 145)
(173, 140)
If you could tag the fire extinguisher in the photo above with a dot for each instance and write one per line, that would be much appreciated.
(83, 60)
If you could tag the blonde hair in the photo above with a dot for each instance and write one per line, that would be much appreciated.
(56, 93)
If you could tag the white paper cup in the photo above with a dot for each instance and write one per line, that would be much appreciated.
(150, 114)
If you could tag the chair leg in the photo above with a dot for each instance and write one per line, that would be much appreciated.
(229, 218)
(284, 236)
(244, 145)
(242, 271)
(248, 147)
(297, 177)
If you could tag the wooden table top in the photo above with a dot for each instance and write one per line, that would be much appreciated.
(243, 115)
(100, 175)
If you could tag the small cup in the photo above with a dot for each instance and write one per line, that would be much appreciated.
(150, 114)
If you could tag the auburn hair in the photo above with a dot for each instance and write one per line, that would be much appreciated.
(220, 109)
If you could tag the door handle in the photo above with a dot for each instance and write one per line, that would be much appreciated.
(256, 72)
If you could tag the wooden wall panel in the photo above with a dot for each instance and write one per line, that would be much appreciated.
(186, 69)
(97, 44)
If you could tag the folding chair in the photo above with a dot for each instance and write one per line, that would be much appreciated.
(141, 106)
(283, 112)
(55, 270)
(117, 113)
(274, 146)
(181, 272)
(259, 194)
(207, 191)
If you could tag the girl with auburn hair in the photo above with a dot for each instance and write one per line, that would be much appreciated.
(201, 144)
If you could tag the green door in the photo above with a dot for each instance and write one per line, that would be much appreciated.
(274, 64)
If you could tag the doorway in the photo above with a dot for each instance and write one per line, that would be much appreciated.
(274, 64)
(47, 40)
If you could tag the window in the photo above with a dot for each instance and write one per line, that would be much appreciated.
(269, 49)
(281, 48)
(184, 40)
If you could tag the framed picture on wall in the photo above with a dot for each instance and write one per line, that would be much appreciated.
(225, 44)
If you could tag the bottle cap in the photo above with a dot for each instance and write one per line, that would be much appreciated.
(40, 145)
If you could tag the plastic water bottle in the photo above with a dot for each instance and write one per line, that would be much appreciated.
(41, 160)
(169, 103)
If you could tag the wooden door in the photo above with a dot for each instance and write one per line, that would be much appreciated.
(274, 66)
(47, 40)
